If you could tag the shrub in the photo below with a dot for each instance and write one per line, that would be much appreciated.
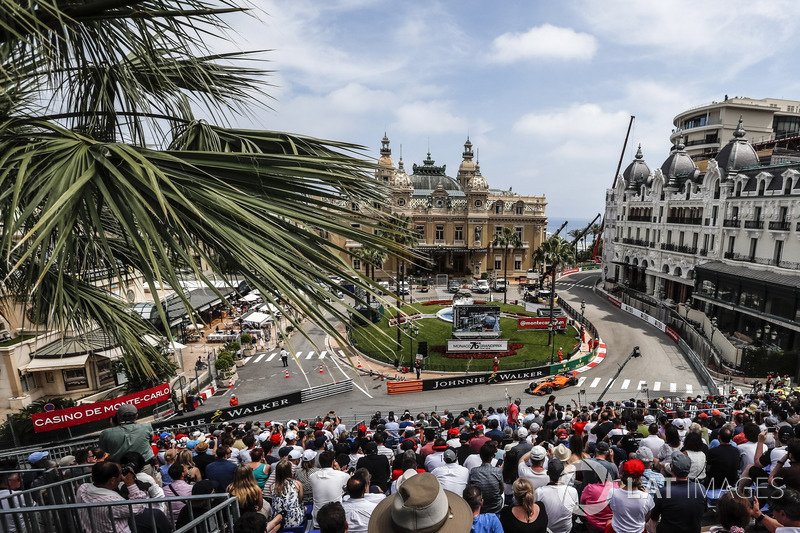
(233, 347)
(224, 362)
(247, 339)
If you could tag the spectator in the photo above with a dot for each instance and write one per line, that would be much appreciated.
(203, 456)
(535, 473)
(652, 440)
(435, 459)
(244, 488)
(106, 477)
(197, 507)
(672, 444)
(303, 474)
(598, 484)
(489, 479)
(693, 448)
(785, 512)
(452, 476)
(631, 506)
(527, 515)
(260, 468)
(560, 500)
(176, 489)
(10, 483)
(513, 413)
(682, 503)
(377, 465)
(481, 522)
(723, 462)
(221, 470)
(421, 504)
(788, 475)
(186, 459)
(145, 482)
(652, 481)
(357, 509)
(331, 518)
(287, 495)
(733, 511)
(125, 435)
(604, 456)
(327, 483)
(169, 458)
(256, 523)
(747, 450)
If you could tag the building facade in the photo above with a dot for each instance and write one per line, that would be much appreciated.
(724, 241)
(705, 129)
(456, 219)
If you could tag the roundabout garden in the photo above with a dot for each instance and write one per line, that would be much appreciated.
(527, 348)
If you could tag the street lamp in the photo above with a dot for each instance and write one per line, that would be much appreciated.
(411, 330)
(552, 328)
(583, 308)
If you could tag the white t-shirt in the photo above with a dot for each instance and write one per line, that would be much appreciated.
(654, 442)
(630, 509)
(434, 460)
(560, 501)
(357, 513)
(472, 461)
(327, 486)
(538, 479)
(587, 430)
(452, 477)
(747, 453)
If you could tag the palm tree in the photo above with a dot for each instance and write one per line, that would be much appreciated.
(106, 168)
(507, 238)
(556, 252)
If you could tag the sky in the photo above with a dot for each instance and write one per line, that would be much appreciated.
(544, 90)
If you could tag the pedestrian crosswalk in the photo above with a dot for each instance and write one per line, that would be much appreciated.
(634, 386)
(267, 357)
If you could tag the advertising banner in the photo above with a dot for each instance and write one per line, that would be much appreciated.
(477, 345)
(244, 410)
(540, 322)
(481, 379)
(476, 321)
(73, 416)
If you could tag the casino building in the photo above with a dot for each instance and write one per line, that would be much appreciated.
(456, 219)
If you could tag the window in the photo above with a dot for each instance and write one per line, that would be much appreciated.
(517, 262)
(401, 202)
(498, 230)
(498, 262)
(714, 212)
(783, 215)
(738, 189)
(753, 246)
(478, 203)
(439, 232)
(758, 213)
(357, 264)
(712, 242)
(669, 236)
(420, 230)
(520, 208)
(680, 239)
(439, 202)
(787, 186)
(695, 236)
(28, 381)
(104, 372)
(459, 233)
(355, 225)
(75, 378)
(778, 254)
(761, 186)
(731, 243)
(518, 231)
(498, 207)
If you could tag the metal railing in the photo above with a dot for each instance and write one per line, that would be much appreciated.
(205, 515)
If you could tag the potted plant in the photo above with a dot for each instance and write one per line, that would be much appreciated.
(235, 349)
(226, 368)
(247, 343)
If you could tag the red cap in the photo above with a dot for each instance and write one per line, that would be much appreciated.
(319, 425)
(362, 428)
(561, 433)
(452, 432)
(702, 415)
(633, 467)
(479, 427)
(276, 438)
(716, 412)
(179, 436)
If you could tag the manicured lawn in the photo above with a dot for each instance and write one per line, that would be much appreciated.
(382, 345)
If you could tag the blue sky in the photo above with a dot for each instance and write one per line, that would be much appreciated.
(544, 90)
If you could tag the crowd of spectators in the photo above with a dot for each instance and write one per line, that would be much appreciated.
(624, 467)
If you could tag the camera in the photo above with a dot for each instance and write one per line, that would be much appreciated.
(129, 468)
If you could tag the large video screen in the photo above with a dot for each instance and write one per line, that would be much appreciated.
(476, 321)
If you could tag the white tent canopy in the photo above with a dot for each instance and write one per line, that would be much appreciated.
(249, 298)
(270, 308)
(258, 318)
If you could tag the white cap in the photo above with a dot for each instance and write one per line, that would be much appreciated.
(309, 455)
(534, 427)
(295, 454)
(522, 433)
(290, 435)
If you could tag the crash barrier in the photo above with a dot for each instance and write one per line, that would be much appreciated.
(213, 512)
(402, 387)
(19, 456)
(54, 492)
(324, 391)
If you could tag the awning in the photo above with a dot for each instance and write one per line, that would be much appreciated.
(249, 298)
(56, 363)
(155, 341)
(258, 318)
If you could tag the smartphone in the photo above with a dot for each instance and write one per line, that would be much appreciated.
(772, 430)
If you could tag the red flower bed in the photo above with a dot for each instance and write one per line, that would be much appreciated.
(450, 302)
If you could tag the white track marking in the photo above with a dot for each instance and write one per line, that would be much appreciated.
(260, 357)
(271, 357)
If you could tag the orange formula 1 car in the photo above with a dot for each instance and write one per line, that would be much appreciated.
(548, 385)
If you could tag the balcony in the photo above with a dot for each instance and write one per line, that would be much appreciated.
(731, 223)
(780, 226)
(638, 218)
(753, 224)
(685, 220)
(763, 261)
(703, 252)
(635, 242)
(680, 248)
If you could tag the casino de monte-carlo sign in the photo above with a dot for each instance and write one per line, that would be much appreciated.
(477, 345)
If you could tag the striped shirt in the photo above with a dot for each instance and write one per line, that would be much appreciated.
(112, 518)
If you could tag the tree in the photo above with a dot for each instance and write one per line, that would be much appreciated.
(507, 238)
(555, 251)
(105, 168)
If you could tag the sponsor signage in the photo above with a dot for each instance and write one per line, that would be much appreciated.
(233, 413)
(540, 322)
(671, 333)
(481, 379)
(477, 345)
(73, 416)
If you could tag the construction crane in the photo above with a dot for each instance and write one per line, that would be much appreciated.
(596, 247)
(582, 233)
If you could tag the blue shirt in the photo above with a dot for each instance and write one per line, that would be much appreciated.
(486, 523)
(221, 471)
